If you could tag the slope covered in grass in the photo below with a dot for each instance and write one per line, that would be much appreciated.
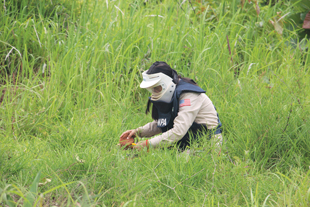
(70, 75)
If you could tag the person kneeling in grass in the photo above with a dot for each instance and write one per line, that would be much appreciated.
(181, 111)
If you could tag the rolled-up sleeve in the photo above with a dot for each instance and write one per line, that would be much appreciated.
(183, 121)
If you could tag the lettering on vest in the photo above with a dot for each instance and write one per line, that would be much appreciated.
(162, 122)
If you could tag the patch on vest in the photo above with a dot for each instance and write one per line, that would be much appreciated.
(185, 102)
(162, 122)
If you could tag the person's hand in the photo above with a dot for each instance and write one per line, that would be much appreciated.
(141, 145)
(129, 134)
(127, 138)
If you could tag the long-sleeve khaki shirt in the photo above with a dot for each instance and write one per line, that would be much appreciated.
(200, 110)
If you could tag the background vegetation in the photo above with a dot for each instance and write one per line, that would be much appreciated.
(70, 74)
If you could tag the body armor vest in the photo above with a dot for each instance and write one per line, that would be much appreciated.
(168, 111)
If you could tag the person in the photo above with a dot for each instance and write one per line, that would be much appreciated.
(181, 111)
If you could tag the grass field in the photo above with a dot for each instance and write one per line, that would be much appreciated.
(70, 75)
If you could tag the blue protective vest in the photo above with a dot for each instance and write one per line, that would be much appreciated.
(168, 111)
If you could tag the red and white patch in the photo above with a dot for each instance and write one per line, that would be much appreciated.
(185, 102)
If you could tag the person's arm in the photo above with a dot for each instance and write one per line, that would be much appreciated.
(148, 130)
(185, 118)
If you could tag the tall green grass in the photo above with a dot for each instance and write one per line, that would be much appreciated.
(70, 75)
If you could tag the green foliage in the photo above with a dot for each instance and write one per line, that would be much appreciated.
(28, 30)
(297, 17)
(29, 201)
(70, 75)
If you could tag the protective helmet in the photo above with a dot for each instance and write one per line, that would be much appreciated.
(161, 81)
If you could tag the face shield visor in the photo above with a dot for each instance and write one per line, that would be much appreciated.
(160, 85)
